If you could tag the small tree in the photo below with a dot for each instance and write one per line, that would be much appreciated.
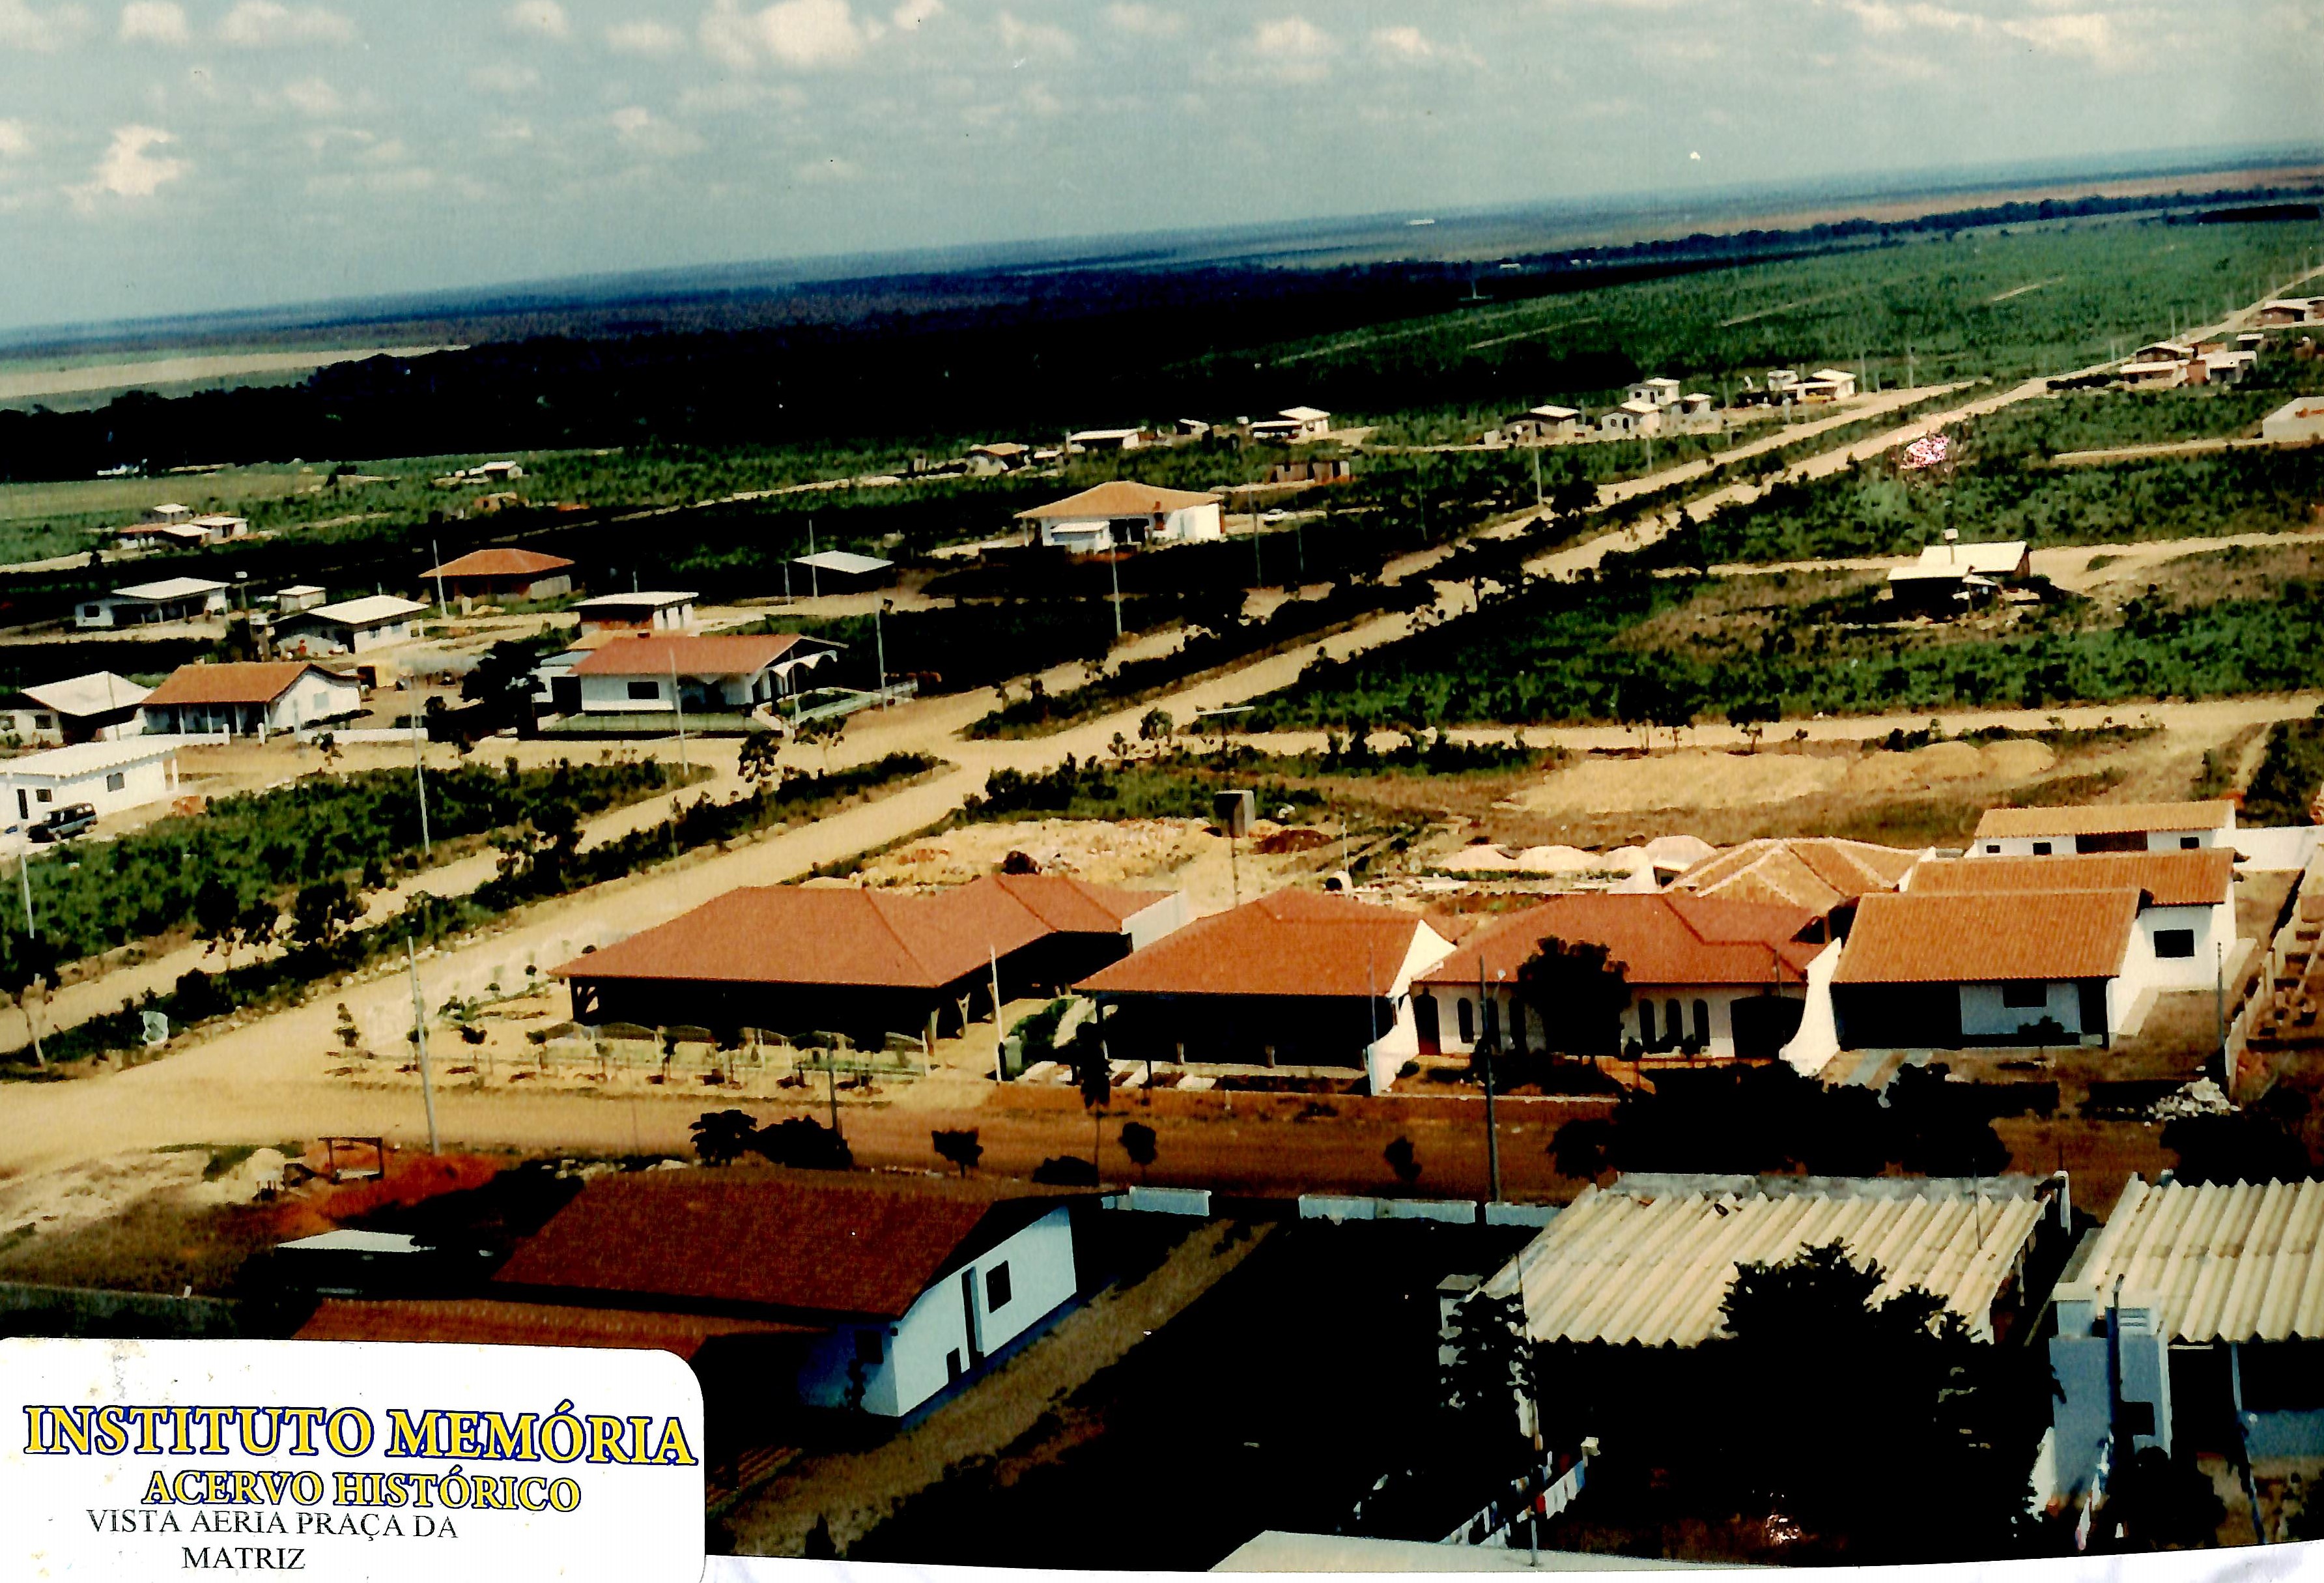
(721, 1137)
(1402, 1161)
(1137, 1142)
(323, 913)
(1579, 993)
(1752, 717)
(958, 1147)
(1490, 1372)
(756, 761)
(1156, 726)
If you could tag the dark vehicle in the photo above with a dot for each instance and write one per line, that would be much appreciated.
(73, 820)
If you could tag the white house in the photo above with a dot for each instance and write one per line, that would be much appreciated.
(1105, 439)
(2289, 311)
(169, 512)
(177, 599)
(1829, 384)
(110, 776)
(351, 626)
(140, 537)
(1294, 426)
(1694, 413)
(1939, 971)
(99, 707)
(251, 698)
(1634, 418)
(1709, 977)
(872, 1293)
(2124, 826)
(300, 597)
(1295, 978)
(1543, 425)
(2152, 374)
(1655, 393)
(2187, 916)
(216, 527)
(660, 611)
(704, 675)
(1124, 513)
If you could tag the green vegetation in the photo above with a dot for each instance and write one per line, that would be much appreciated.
(1666, 651)
(2103, 419)
(1179, 787)
(1869, 510)
(2291, 777)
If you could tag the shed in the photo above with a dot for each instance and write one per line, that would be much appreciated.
(110, 777)
(660, 611)
(351, 626)
(99, 707)
(177, 599)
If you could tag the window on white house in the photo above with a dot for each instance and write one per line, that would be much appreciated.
(116, 780)
(645, 690)
(1993, 847)
(1467, 1015)
(2190, 843)
(2024, 997)
(1646, 1023)
(996, 1288)
(44, 794)
(43, 722)
(871, 1347)
(1702, 1024)
(2041, 848)
(2178, 944)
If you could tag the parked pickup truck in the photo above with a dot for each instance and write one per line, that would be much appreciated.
(73, 820)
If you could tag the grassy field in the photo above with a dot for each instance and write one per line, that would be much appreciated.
(1635, 647)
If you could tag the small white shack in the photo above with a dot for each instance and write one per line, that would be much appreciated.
(353, 626)
(110, 776)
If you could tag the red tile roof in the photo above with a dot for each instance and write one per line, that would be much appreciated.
(2201, 878)
(1790, 871)
(689, 655)
(1121, 497)
(2112, 819)
(495, 1322)
(500, 563)
(1291, 943)
(1659, 939)
(806, 1242)
(1988, 938)
(233, 681)
(835, 935)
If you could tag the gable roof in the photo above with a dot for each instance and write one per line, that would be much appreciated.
(96, 693)
(1659, 938)
(1817, 872)
(487, 1321)
(1291, 943)
(173, 588)
(691, 656)
(1988, 937)
(804, 1243)
(500, 563)
(1993, 558)
(233, 681)
(651, 599)
(841, 935)
(368, 611)
(2201, 878)
(1302, 414)
(1119, 497)
(2117, 818)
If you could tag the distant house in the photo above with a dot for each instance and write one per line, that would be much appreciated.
(1105, 439)
(99, 707)
(1634, 418)
(1003, 456)
(1121, 514)
(216, 528)
(1655, 393)
(2299, 421)
(2122, 827)
(720, 675)
(1544, 425)
(1951, 575)
(1945, 971)
(794, 959)
(502, 574)
(1827, 384)
(250, 699)
(177, 599)
(110, 776)
(1693, 413)
(1294, 979)
(2223, 367)
(1192, 427)
(169, 512)
(2187, 912)
(2284, 312)
(847, 570)
(1718, 978)
(1293, 426)
(1814, 874)
(140, 537)
(353, 626)
(2165, 374)
(300, 597)
(501, 472)
(628, 613)
(2195, 1311)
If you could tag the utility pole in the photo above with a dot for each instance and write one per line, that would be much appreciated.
(1000, 1032)
(443, 612)
(879, 643)
(419, 782)
(678, 703)
(1537, 478)
(1485, 1030)
(1113, 571)
(419, 1037)
(814, 575)
(2219, 1013)
(25, 872)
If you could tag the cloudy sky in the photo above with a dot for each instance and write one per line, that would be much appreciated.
(168, 155)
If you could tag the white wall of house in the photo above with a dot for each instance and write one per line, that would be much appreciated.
(2187, 944)
(316, 697)
(1817, 1040)
(31, 793)
(307, 636)
(2064, 846)
(648, 695)
(952, 1323)
(667, 618)
(1166, 916)
(1186, 526)
(1645, 1019)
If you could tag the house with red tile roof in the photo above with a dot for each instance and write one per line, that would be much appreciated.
(249, 698)
(1298, 978)
(2186, 900)
(653, 674)
(1706, 975)
(503, 572)
(869, 1292)
(796, 959)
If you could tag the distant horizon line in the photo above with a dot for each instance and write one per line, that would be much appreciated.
(609, 287)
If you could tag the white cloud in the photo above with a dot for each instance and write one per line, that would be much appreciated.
(24, 28)
(1409, 43)
(504, 77)
(257, 25)
(639, 128)
(543, 18)
(154, 21)
(313, 97)
(1144, 22)
(129, 168)
(1879, 16)
(644, 38)
(2087, 33)
(1290, 49)
(1029, 39)
(15, 143)
(914, 14)
(799, 33)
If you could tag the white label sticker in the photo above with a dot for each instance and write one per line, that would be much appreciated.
(347, 1460)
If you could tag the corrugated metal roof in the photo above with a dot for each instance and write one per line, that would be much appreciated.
(96, 693)
(173, 588)
(2118, 818)
(2221, 1263)
(1640, 1264)
(370, 610)
(1987, 938)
